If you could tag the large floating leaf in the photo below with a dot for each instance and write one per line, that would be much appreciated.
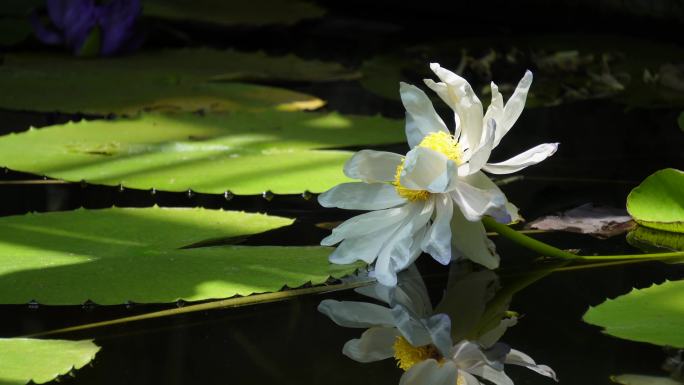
(245, 153)
(186, 79)
(254, 12)
(641, 379)
(654, 314)
(23, 360)
(115, 255)
(658, 202)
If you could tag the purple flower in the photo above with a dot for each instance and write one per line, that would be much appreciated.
(89, 28)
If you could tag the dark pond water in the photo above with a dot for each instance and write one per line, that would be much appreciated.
(606, 149)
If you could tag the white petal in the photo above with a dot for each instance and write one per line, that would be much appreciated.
(480, 155)
(516, 357)
(528, 158)
(462, 99)
(375, 344)
(505, 213)
(430, 372)
(364, 248)
(373, 166)
(423, 119)
(372, 222)
(437, 241)
(427, 169)
(361, 196)
(397, 253)
(353, 314)
(410, 326)
(469, 240)
(468, 378)
(496, 107)
(475, 202)
(514, 106)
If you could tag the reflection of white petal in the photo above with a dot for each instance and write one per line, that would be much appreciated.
(430, 372)
(361, 196)
(373, 166)
(437, 241)
(468, 379)
(424, 119)
(356, 314)
(528, 158)
(427, 169)
(493, 336)
(360, 225)
(469, 240)
(516, 357)
(514, 107)
(497, 377)
(375, 344)
(480, 154)
(459, 95)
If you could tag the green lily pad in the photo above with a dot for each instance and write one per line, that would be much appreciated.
(23, 359)
(652, 240)
(658, 202)
(245, 153)
(168, 80)
(680, 120)
(116, 255)
(259, 12)
(654, 315)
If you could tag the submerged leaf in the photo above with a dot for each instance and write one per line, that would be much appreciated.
(136, 254)
(253, 12)
(654, 315)
(24, 360)
(245, 153)
(603, 222)
(169, 80)
(658, 202)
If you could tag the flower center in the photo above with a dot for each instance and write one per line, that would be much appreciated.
(441, 142)
(408, 355)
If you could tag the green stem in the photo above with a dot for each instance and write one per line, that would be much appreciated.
(550, 251)
(525, 241)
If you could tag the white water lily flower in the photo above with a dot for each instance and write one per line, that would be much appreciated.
(421, 341)
(433, 198)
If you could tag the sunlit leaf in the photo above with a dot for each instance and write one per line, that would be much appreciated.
(245, 153)
(658, 202)
(133, 254)
(652, 240)
(255, 12)
(170, 80)
(654, 315)
(640, 379)
(23, 360)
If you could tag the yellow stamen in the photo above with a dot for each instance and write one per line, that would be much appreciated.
(411, 195)
(441, 142)
(408, 355)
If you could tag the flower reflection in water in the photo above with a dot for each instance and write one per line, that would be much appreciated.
(452, 344)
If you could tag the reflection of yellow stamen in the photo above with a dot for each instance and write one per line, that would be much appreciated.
(441, 142)
(460, 380)
(408, 355)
